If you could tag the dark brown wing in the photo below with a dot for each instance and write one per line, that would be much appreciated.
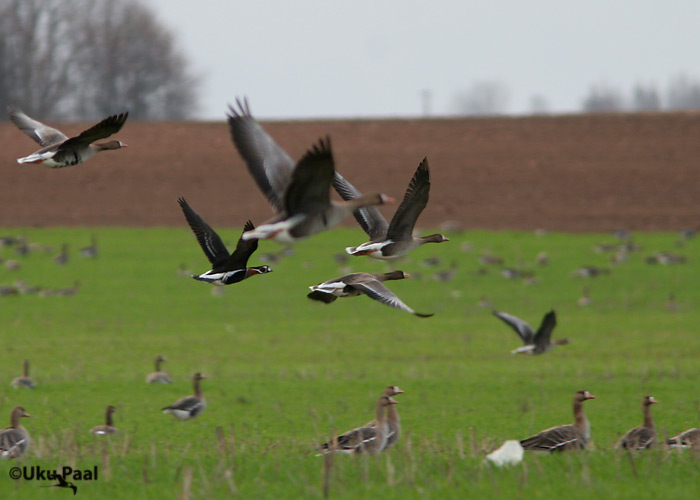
(376, 290)
(544, 332)
(414, 201)
(309, 190)
(102, 130)
(211, 243)
(555, 439)
(369, 218)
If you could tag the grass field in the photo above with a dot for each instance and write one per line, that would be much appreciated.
(284, 372)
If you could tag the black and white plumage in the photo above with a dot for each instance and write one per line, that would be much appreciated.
(564, 437)
(686, 439)
(58, 150)
(189, 406)
(227, 268)
(15, 440)
(299, 193)
(364, 439)
(395, 239)
(108, 427)
(537, 342)
(354, 284)
(644, 436)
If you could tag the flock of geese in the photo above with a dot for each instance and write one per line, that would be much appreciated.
(299, 194)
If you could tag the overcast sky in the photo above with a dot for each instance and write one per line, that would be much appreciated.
(375, 58)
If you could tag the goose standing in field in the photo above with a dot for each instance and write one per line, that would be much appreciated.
(25, 380)
(159, 376)
(189, 406)
(686, 439)
(392, 419)
(227, 268)
(535, 342)
(564, 437)
(62, 258)
(91, 250)
(395, 239)
(354, 284)
(364, 439)
(644, 436)
(108, 428)
(299, 194)
(14, 441)
(58, 150)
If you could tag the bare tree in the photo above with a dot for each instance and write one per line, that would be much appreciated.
(683, 93)
(90, 58)
(645, 98)
(482, 99)
(602, 98)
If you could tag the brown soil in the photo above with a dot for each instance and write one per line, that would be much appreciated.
(566, 173)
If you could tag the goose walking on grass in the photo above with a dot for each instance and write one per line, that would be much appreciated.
(25, 380)
(189, 406)
(392, 419)
(395, 239)
(227, 268)
(14, 441)
(686, 439)
(364, 439)
(354, 284)
(644, 436)
(299, 194)
(58, 150)
(564, 437)
(159, 376)
(108, 428)
(535, 342)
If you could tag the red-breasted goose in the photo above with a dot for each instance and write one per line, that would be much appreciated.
(159, 376)
(364, 439)
(686, 439)
(395, 239)
(535, 342)
(25, 380)
(354, 284)
(644, 436)
(58, 150)
(227, 268)
(299, 194)
(108, 428)
(14, 441)
(392, 418)
(189, 406)
(564, 437)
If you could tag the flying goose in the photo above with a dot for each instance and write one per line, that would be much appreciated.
(58, 150)
(686, 439)
(158, 376)
(299, 194)
(354, 284)
(392, 419)
(14, 441)
(644, 436)
(189, 406)
(535, 342)
(227, 268)
(25, 380)
(395, 239)
(364, 439)
(564, 437)
(108, 428)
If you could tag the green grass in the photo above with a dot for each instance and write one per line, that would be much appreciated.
(285, 371)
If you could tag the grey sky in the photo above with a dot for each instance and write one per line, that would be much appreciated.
(369, 58)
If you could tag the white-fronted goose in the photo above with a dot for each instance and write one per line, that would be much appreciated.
(644, 436)
(354, 284)
(535, 342)
(159, 376)
(14, 441)
(392, 419)
(686, 439)
(108, 428)
(58, 150)
(25, 380)
(91, 250)
(300, 195)
(227, 269)
(564, 437)
(364, 439)
(189, 406)
(62, 258)
(395, 239)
